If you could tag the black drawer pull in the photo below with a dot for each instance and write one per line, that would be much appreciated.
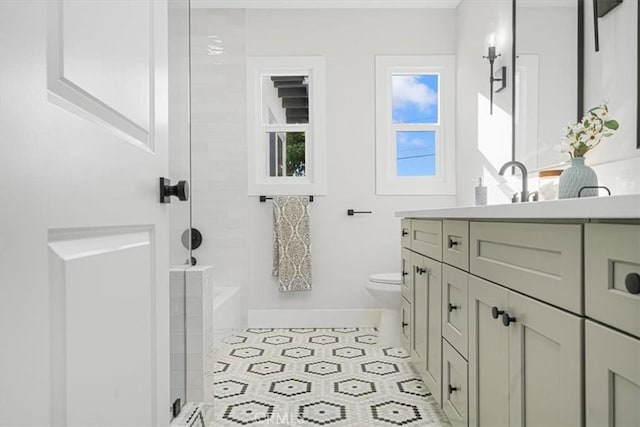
(420, 270)
(632, 283)
(404, 233)
(452, 389)
(495, 313)
(404, 273)
(453, 307)
(507, 320)
(451, 243)
(404, 324)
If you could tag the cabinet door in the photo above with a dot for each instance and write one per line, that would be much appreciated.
(406, 284)
(419, 314)
(612, 378)
(455, 285)
(455, 390)
(545, 365)
(405, 314)
(433, 378)
(426, 342)
(488, 356)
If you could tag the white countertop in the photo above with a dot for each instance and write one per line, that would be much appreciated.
(606, 207)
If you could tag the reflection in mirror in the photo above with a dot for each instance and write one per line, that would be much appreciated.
(285, 99)
(286, 153)
(611, 75)
(546, 93)
(285, 118)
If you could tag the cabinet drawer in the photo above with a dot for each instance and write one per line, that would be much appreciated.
(426, 238)
(455, 243)
(406, 282)
(455, 285)
(405, 314)
(612, 382)
(455, 390)
(405, 233)
(612, 257)
(540, 260)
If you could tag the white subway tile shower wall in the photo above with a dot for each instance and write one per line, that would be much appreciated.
(219, 166)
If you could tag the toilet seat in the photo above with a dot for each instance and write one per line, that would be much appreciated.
(386, 278)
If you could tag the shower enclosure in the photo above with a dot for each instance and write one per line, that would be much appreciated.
(179, 212)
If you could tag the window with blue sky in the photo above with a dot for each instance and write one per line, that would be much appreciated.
(416, 153)
(415, 101)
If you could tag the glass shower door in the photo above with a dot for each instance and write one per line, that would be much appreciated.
(179, 212)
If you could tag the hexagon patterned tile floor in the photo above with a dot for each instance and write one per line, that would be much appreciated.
(316, 377)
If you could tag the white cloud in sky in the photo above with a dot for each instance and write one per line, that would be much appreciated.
(409, 91)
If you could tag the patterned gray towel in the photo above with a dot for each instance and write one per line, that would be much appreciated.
(291, 243)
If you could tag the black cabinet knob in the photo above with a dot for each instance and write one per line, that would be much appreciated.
(452, 389)
(451, 243)
(420, 270)
(404, 273)
(404, 232)
(495, 313)
(404, 324)
(507, 320)
(632, 283)
(453, 307)
(180, 190)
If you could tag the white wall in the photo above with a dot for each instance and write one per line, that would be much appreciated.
(237, 229)
(611, 75)
(484, 141)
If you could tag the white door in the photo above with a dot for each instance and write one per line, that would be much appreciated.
(84, 254)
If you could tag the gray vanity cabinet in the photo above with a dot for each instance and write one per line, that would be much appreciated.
(541, 326)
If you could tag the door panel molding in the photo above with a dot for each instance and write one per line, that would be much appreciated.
(93, 291)
(66, 93)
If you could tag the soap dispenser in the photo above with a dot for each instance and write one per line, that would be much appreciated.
(481, 193)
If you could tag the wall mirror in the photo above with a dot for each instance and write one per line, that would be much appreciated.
(611, 73)
(548, 78)
(558, 74)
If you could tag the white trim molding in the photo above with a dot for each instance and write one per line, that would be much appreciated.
(387, 179)
(318, 318)
(315, 180)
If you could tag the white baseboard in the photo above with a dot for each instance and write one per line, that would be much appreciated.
(364, 318)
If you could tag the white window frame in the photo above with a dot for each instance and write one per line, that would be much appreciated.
(387, 180)
(315, 180)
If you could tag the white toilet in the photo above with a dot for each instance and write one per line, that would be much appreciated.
(385, 289)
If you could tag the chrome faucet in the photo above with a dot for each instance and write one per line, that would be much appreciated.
(524, 196)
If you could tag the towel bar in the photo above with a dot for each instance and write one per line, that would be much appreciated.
(265, 198)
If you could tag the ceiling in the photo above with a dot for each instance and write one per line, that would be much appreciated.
(325, 4)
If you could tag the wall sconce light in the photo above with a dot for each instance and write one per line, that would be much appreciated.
(502, 74)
